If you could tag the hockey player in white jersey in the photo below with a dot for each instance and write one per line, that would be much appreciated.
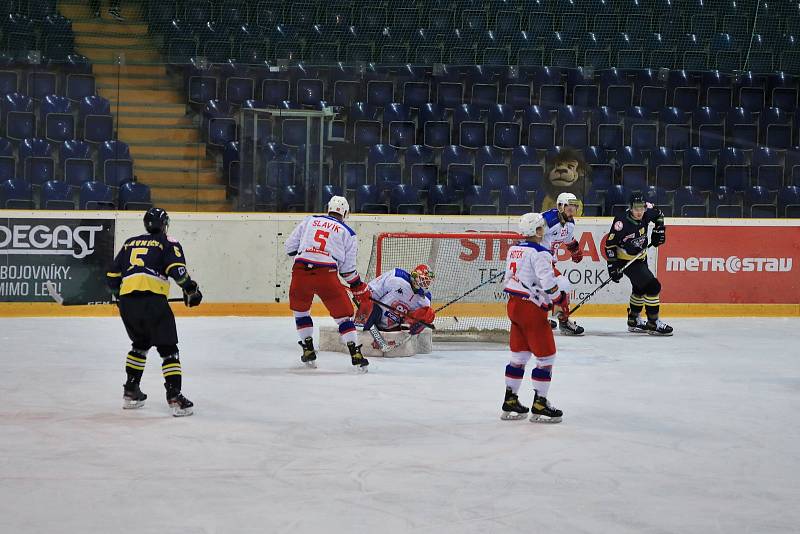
(403, 292)
(561, 233)
(324, 247)
(533, 290)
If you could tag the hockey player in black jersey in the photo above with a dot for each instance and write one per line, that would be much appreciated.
(139, 278)
(626, 240)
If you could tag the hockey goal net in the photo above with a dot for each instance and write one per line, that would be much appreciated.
(468, 289)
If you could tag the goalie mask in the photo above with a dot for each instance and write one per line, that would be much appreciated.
(422, 277)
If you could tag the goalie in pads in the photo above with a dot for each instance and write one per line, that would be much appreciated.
(403, 298)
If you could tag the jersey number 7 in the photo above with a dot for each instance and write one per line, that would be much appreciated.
(321, 237)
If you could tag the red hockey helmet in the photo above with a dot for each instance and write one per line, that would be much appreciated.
(422, 276)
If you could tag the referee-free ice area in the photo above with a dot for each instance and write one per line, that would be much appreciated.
(697, 433)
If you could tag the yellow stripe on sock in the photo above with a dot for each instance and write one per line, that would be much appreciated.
(136, 358)
(171, 365)
(172, 373)
(132, 366)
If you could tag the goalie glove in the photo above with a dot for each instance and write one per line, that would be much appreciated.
(361, 292)
(191, 294)
(417, 319)
(575, 250)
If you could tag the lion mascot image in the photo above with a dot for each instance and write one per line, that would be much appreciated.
(566, 172)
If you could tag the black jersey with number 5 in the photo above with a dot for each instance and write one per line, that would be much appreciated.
(628, 237)
(145, 263)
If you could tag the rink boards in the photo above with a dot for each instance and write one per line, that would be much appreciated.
(708, 267)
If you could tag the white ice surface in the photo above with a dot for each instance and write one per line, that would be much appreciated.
(698, 433)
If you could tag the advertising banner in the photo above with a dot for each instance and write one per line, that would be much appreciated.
(730, 265)
(72, 253)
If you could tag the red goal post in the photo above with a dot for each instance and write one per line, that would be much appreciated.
(461, 262)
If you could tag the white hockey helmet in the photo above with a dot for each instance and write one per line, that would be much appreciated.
(566, 199)
(339, 205)
(529, 222)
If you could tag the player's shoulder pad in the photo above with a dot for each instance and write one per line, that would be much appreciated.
(352, 232)
(617, 225)
(400, 273)
(551, 217)
(536, 246)
(428, 296)
(172, 240)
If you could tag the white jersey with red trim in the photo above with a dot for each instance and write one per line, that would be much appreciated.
(325, 241)
(556, 235)
(394, 288)
(529, 273)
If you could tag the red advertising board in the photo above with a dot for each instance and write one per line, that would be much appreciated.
(730, 265)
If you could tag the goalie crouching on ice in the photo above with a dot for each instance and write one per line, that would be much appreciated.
(398, 298)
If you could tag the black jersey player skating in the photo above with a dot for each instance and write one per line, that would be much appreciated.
(139, 277)
(626, 240)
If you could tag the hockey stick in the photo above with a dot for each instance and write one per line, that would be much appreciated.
(443, 306)
(400, 313)
(604, 284)
(56, 296)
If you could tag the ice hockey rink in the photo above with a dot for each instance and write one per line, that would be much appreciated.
(697, 433)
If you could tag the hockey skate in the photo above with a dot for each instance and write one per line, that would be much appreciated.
(568, 327)
(309, 356)
(180, 406)
(542, 412)
(658, 328)
(359, 361)
(512, 409)
(133, 397)
(636, 323)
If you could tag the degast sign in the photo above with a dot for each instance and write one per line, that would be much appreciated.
(40, 239)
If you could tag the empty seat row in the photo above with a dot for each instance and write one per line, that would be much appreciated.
(54, 194)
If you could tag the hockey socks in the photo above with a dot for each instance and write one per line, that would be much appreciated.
(304, 324)
(542, 374)
(514, 376)
(132, 396)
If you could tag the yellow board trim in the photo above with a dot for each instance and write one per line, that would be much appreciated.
(272, 309)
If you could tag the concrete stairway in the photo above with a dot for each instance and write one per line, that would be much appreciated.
(149, 109)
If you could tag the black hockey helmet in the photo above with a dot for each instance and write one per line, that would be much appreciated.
(637, 201)
(156, 220)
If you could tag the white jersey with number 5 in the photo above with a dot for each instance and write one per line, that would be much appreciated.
(394, 288)
(325, 241)
(529, 272)
(556, 234)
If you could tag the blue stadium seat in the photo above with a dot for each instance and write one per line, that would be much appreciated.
(722, 202)
(718, 90)
(708, 123)
(275, 90)
(602, 175)
(219, 126)
(57, 35)
(768, 165)
(404, 198)
(41, 83)
(666, 168)
(793, 166)
(76, 159)
(581, 85)
(776, 128)
(230, 161)
(57, 112)
(573, 126)
(79, 86)
(607, 128)
(650, 90)
(789, 201)
(742, 128)
(368, 200)
(633, 168)
(522, 156)
(616, 200)
(699, 168)
(56, 195)
(134, 196)
(16, 194)
(675, 126)
(505, 130)
(37, 161)
(490, 167)
(658, 196)
(640, 128)
(733, 167)
(18, 30)
(95, 195)
(478, 201)
(291, 198)
(783, 91)
(266, 198)
(94, 113)
(457, 165)
(469, 126)
(8, 163)
(442, 200)
(380, 92)
(616, 92)
(513, 201)
(383, 164)
(435, 128)
(681, 91)
(689, 203)
(310, 89)
(758, 201)
(237, 82)
(539, 127)
(114, 158)
(354, 174)
(18, 116)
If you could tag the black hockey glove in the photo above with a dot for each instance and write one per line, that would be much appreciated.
(615, 272)
(659, 236)
(191, 294)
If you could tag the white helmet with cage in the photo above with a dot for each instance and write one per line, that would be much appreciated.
(530, 222)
